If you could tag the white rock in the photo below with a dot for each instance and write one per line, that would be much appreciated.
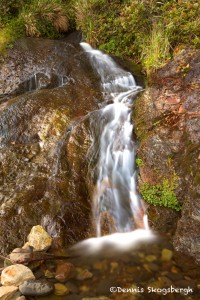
(39, 239)
(16, 275)
(7, 292)
(20, 255)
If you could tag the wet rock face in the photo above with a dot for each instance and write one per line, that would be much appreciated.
(40, 146)
(37, 64)
(167, 120)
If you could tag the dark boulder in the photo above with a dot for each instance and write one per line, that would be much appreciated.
(44, 140)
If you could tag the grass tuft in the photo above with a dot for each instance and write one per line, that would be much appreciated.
(45, 18)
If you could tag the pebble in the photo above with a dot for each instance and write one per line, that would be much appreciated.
(153, 267)
(20, 255)
(150, 258)
(175, 270)
(60, 289)
(39, 239)
(7, 292)
(114, 265)
(20, 298)
(17, 296)
(64, 271)
(48, 274)
(83, 274)
(101, 265)
(16, 275)
(84, 288)
(166, 254)
(175, 277)
(72, 288)
(36, 288)
(131, 269)
(165, 281)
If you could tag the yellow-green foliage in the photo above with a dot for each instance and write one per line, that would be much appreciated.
(46, 18)
(156, 49)
(139, 162)
(162, 194)
(146, 31)
(13, 30)
(96, 20)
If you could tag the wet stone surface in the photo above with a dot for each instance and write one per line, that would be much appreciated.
(150, 271)
(166, 119)
(44, 140)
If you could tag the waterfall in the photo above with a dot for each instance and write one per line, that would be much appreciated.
(116, 200)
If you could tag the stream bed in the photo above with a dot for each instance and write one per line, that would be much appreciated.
(151, 271)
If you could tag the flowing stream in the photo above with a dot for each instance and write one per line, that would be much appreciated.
(116, 200)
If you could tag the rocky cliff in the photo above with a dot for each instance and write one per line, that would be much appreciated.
(49, 101)
(48, 89)
(167, 122)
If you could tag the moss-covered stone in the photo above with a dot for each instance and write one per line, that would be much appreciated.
(166, 119)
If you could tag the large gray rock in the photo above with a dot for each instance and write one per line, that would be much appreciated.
(36, 288)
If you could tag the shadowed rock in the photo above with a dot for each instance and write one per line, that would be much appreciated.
(44, 139)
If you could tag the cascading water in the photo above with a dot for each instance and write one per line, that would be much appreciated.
(115, 197)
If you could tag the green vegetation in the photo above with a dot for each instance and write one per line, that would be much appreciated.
(139, 162)
(35, 18)
(44, 18)
(162, 194)
(147, 31)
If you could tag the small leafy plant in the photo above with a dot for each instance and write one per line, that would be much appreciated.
(139, 162)
(162, 194)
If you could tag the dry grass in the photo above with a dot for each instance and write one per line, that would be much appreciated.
(31, 25)
(43, 12)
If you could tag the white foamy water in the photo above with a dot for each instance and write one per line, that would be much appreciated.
(113, 243)
(117, 204)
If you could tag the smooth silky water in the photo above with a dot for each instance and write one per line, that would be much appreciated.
(116, 200)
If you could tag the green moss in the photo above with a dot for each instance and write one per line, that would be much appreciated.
(162, 194)
(139, 162)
